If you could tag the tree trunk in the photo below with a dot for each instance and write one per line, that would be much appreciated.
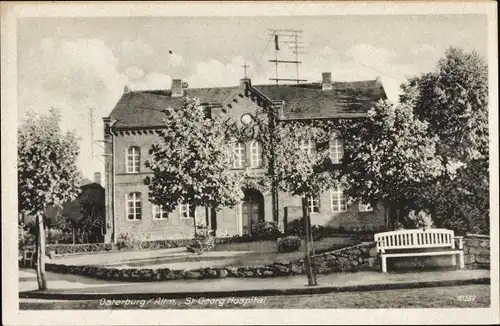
(307, 259)
(73, 234)
(194, 221)
(40, 254)
(313, 255)
(387, 217)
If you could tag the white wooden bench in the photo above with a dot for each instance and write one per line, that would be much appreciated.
(415, 243)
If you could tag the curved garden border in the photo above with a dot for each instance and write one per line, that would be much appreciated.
(350, 259)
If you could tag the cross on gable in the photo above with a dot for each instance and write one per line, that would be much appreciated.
(245, 66)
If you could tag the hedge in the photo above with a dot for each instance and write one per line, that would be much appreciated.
(61, 249)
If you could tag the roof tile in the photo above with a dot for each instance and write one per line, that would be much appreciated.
(143, 108)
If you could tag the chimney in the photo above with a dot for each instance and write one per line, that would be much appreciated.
(126, 89)
(177, 88)
(326, 83)
(97, 177)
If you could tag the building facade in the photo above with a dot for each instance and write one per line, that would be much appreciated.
(132, 127)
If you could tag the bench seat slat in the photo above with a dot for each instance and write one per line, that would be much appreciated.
(428, 253)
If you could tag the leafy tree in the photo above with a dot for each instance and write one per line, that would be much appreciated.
(391, 158)
(191, 162)
(301, 171)
(47, 173)
(303, 168)
(92, 210)
(82, 217)
(462, 202)
(453, 101)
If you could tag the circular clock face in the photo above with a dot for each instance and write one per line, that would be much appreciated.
(246, 118)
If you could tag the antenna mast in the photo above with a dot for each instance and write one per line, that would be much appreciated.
(292, 37)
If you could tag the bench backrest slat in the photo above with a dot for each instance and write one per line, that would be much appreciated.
(418, 238)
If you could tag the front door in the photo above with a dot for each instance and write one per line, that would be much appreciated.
(250, 212)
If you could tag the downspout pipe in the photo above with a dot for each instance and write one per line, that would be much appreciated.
(113, 135)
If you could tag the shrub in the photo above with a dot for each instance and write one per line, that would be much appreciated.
(126, 241)
(289, 244)
(53, 235)
(203, 241)
(24, 237)
(266, 230)
(200, 245)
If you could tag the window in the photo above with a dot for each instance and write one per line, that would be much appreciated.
(336, 150)
(239, 152)
(306, 146)
(187, 211)
(313, 203)
(338, 200)
(256, 154)
(365, 207)
(134, 209)
(159, 213)
(133, 159)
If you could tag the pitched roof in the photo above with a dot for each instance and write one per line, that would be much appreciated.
(309, 101)
(143, 108)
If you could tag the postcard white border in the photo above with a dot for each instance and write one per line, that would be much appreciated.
(12, 11)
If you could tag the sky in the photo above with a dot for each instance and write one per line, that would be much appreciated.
(78, 64)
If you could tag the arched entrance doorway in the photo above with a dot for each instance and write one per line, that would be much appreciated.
(252, 209)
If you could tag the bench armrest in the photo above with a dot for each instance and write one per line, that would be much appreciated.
(460, 242)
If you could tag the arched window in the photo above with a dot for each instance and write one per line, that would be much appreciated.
(239, 153)
(336, 150)
(134, 206)
(256, 154)
(133, 159)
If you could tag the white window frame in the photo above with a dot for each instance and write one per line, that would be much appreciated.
(133, 159)
(306, 146)
(136, 198)
(364, 207)
(336, 198)
(256, 154)
(240, 152)
(336, 150)
(313, 204)
(183, 208)
(158, 209)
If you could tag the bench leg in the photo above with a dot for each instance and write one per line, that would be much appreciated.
(384, 264)
(461, 260)
(454, 260)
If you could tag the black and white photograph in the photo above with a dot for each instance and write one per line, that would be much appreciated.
(250, 163)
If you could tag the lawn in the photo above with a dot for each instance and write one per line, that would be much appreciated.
(438, 297)
(235, 254)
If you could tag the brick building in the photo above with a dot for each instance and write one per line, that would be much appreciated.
(131, 128)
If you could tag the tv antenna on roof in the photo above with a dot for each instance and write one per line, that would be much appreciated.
(292, 37)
